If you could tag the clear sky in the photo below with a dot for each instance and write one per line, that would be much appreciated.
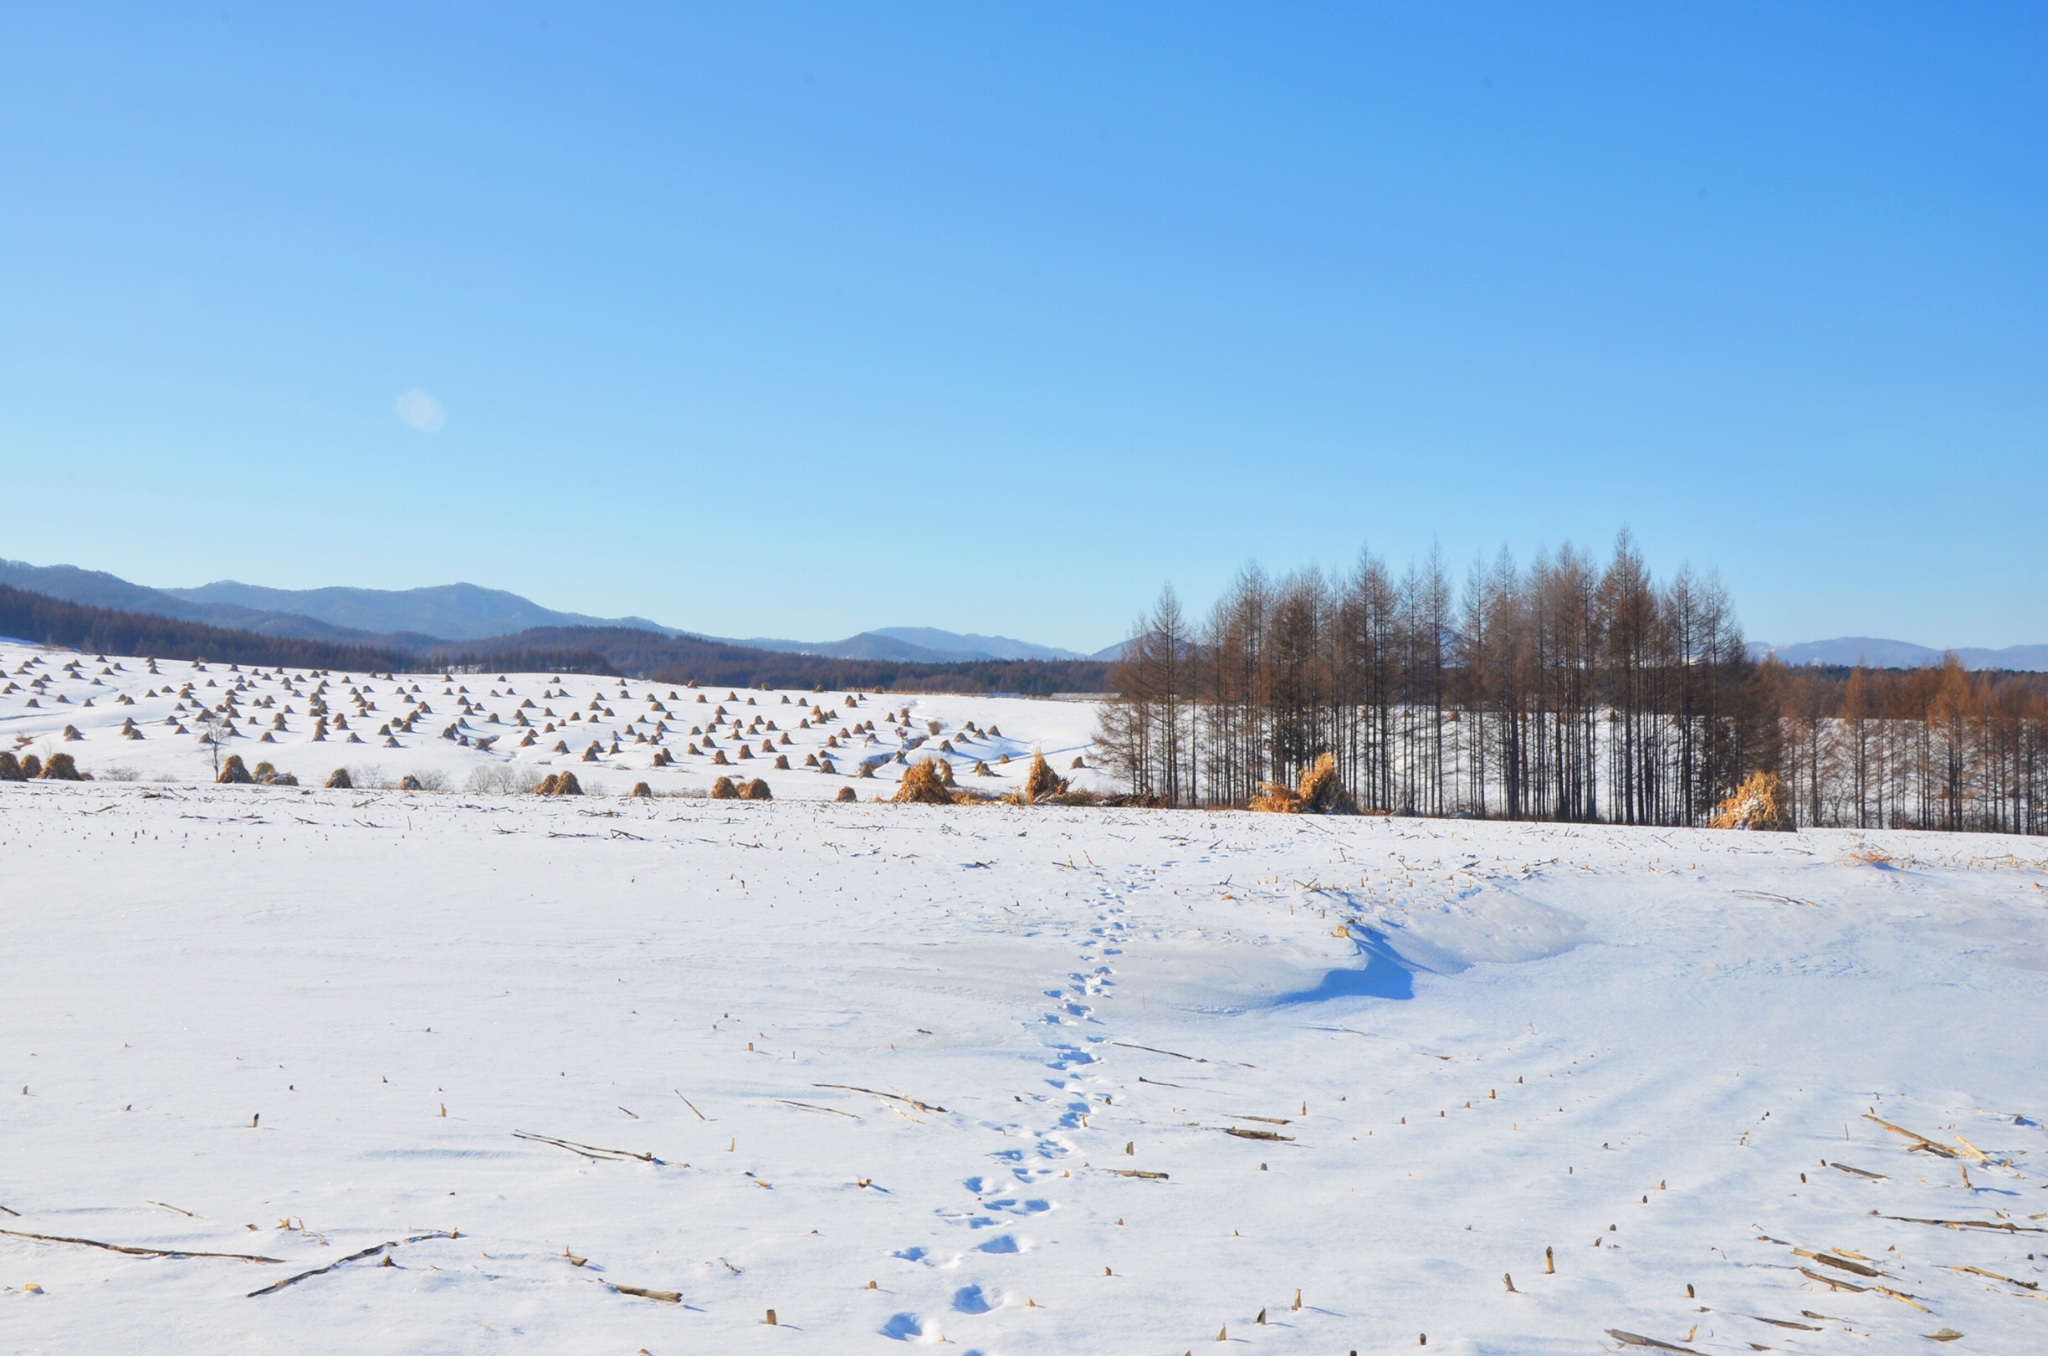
(797, 320)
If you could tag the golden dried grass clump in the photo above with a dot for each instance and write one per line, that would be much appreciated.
(338, 780)
(1321, 792)
(723, 789)
(1041, 782)
(234, 772)
(642, 791)
(1755, 804)
(1275, 798)
(846, 794)
(559, 784)
(923, 785)
(61, 768)
(756, 790)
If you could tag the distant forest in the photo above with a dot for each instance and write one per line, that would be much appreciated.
(1568, 690)
(44, 620)
(625, 651)
(681, 659)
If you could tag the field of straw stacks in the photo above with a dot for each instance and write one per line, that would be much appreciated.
(335, 1066)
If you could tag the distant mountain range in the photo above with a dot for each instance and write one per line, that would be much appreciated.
(926, 645)
(1900, 654)
(416, 619)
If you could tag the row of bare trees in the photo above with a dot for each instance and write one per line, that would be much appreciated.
(1928, 748)
(1571, 689)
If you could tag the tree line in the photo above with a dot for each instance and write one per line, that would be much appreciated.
(43, 620)
(1932, 748)
(1570, 689)
(684, 658)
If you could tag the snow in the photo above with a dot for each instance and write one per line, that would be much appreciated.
(466, 735)
(912, 1045)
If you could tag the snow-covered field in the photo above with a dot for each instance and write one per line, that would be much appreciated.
(125, 719)
(908, 1075)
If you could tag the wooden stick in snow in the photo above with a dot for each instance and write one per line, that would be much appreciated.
(139, 1252)
(893, 1096)
(352, 1257)
(587, 1150)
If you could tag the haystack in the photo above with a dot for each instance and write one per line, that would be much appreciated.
(642, 791)
(825, 766)
(718, 758)
(1322, 790)
(338, 780)
(983, 770)
(946, 770)
(559, 784)
(264, 772)
(71, 734)
(923, 785)
(1041, 782)
(757, 790)
(723, 789)
(61, 768)
(1755, 804)
(234, 772)
(782, 762)
(10, 768)
(31, 767)
(846, 794)
(409, 783)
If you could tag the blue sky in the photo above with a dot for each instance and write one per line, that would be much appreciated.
(796, 320)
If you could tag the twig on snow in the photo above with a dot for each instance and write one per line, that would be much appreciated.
(893, 1096)
(587, 1150)
(352, 1257)
(1128, 1045)
(140, 1252)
